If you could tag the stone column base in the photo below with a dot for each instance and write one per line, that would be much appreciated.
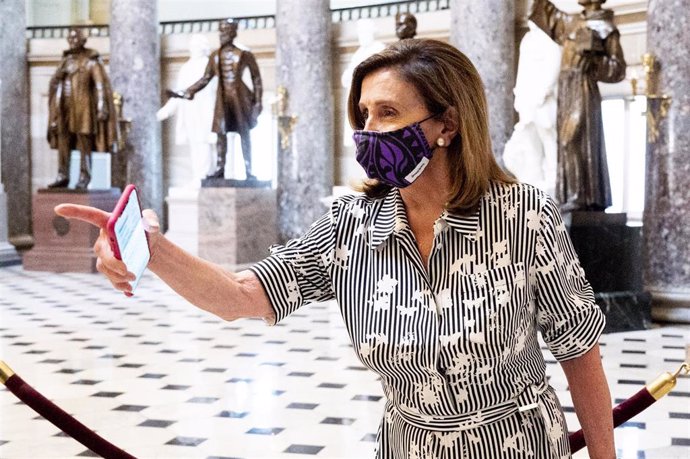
(8, 254)
(237, 225)
(670, 306)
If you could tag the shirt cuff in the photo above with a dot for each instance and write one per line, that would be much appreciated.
(280, 284)
(577, 335)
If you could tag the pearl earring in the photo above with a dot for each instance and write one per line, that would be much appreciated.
(440, 142)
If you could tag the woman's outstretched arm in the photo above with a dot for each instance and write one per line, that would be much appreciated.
(228, 295)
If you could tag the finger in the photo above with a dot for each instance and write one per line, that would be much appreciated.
(105, 255)
(96, 217)
(151, 222)
(124, 287)
(114, 273)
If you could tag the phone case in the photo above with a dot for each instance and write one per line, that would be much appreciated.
(117, 212)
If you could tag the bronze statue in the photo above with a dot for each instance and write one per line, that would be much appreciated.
(591, 52)
(81, 110)
(405, 25)
(237, 107)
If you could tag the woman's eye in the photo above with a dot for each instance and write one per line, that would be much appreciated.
(388, 113)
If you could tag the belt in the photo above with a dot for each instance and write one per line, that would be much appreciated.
(525, 401)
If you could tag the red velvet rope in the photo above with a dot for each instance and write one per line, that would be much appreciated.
(87, 437)
(63, 420)
(621, 413)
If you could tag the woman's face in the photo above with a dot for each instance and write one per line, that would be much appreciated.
(388, 103)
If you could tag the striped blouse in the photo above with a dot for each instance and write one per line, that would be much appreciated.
(455, 341)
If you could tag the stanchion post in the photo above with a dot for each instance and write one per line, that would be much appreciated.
(5, 372)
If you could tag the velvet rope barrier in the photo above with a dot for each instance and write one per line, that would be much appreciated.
(58, 416)
(636, 404)
(87, 437)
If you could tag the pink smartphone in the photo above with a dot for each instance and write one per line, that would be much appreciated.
(128, 239)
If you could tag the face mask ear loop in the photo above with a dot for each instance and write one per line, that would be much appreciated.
(433, 146)
(427, 118)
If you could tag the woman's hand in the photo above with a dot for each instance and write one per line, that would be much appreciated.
(106, 263)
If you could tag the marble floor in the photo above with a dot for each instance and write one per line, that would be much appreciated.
(161, 379)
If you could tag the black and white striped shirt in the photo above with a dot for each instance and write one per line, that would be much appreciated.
(456, 340)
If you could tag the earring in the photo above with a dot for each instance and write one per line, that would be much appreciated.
(440, 142)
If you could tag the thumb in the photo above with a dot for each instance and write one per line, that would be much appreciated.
(96, 217)
(151, 222)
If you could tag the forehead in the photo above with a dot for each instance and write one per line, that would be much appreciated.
(387, 85)
(228, 26)
(74, 34)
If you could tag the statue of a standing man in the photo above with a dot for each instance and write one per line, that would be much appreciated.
(591, 53)
(81, 110)
(237, 107)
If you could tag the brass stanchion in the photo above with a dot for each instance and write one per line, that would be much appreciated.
(634, 405)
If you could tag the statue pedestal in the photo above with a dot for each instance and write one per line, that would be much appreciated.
(237, 225)
(8, 254)
(65, 245)
(610, 252)
(183, 218)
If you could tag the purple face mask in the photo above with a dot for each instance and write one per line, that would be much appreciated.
(396, 158)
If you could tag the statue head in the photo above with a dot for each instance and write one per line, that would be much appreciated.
(76, 39)
(405, 25)
(228, 31)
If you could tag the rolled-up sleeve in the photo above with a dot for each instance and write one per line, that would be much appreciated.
(297, 273)
(569, 319)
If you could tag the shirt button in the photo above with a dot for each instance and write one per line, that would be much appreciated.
(439, 246)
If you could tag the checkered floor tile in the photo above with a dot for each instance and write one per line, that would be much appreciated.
(161, 379)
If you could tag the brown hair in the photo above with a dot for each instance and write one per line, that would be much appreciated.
(445, 78)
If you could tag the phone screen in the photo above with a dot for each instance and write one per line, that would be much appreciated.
(131, 238)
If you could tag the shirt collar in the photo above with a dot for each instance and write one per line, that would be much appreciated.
(390, 212)
(390, 219)
(467, 225)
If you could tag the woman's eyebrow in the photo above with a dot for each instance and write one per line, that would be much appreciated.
(380, 102)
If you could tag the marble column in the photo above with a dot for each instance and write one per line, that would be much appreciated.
(667, 204)
(304, 63)
(485, 32)
(135, 73)
(8, 254)
(14, 112)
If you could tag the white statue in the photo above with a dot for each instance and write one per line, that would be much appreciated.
(367, 46)
(531, 151)
(194, 117)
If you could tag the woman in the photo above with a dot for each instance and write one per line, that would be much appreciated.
(444, 270)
